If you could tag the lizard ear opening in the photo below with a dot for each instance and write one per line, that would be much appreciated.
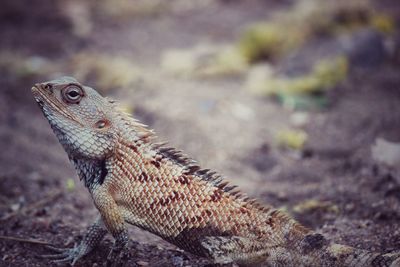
(101, 124)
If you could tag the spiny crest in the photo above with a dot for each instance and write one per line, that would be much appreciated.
(138, 130)
(174, 154)
(190, 166)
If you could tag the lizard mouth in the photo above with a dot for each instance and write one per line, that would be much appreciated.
(49, 104)
(37, 95)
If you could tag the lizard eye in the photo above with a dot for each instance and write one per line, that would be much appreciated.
(48, 86)
(72, 94)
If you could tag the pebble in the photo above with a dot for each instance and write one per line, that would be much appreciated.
(142, 263)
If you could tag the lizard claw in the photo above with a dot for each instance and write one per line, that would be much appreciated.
(116, 256)
(64, 255)
(56, 249)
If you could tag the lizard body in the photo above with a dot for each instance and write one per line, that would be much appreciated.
(133, 180)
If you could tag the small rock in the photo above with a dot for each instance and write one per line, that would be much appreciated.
(177, 261)
(386, 152)
(299, 119)
(142, 263)
(15, 206)
(365, 49)
(349, 207)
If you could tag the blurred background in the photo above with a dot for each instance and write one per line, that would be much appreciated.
(295, 101)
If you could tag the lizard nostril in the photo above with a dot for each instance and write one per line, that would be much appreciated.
(48, 86)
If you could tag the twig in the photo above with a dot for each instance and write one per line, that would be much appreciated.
(50, 197)
(31, 241)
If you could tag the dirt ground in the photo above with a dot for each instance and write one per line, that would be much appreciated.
(332, 184)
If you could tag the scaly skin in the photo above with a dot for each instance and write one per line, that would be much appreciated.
(133, 180)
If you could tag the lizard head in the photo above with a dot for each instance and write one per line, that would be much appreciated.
(79, 116)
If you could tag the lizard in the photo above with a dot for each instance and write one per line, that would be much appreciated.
(133, 180)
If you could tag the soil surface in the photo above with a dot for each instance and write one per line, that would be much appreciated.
(215, 121)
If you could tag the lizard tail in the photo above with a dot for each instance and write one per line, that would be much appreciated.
(349, 256)
(315, 250)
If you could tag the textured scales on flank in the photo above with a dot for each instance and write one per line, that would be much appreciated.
(134, 180)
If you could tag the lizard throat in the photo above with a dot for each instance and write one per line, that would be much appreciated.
(92, 172)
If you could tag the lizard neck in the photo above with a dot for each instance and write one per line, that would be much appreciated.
(92, 172)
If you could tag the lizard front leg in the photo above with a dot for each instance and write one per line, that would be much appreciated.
(113, 221)
(93, 236)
